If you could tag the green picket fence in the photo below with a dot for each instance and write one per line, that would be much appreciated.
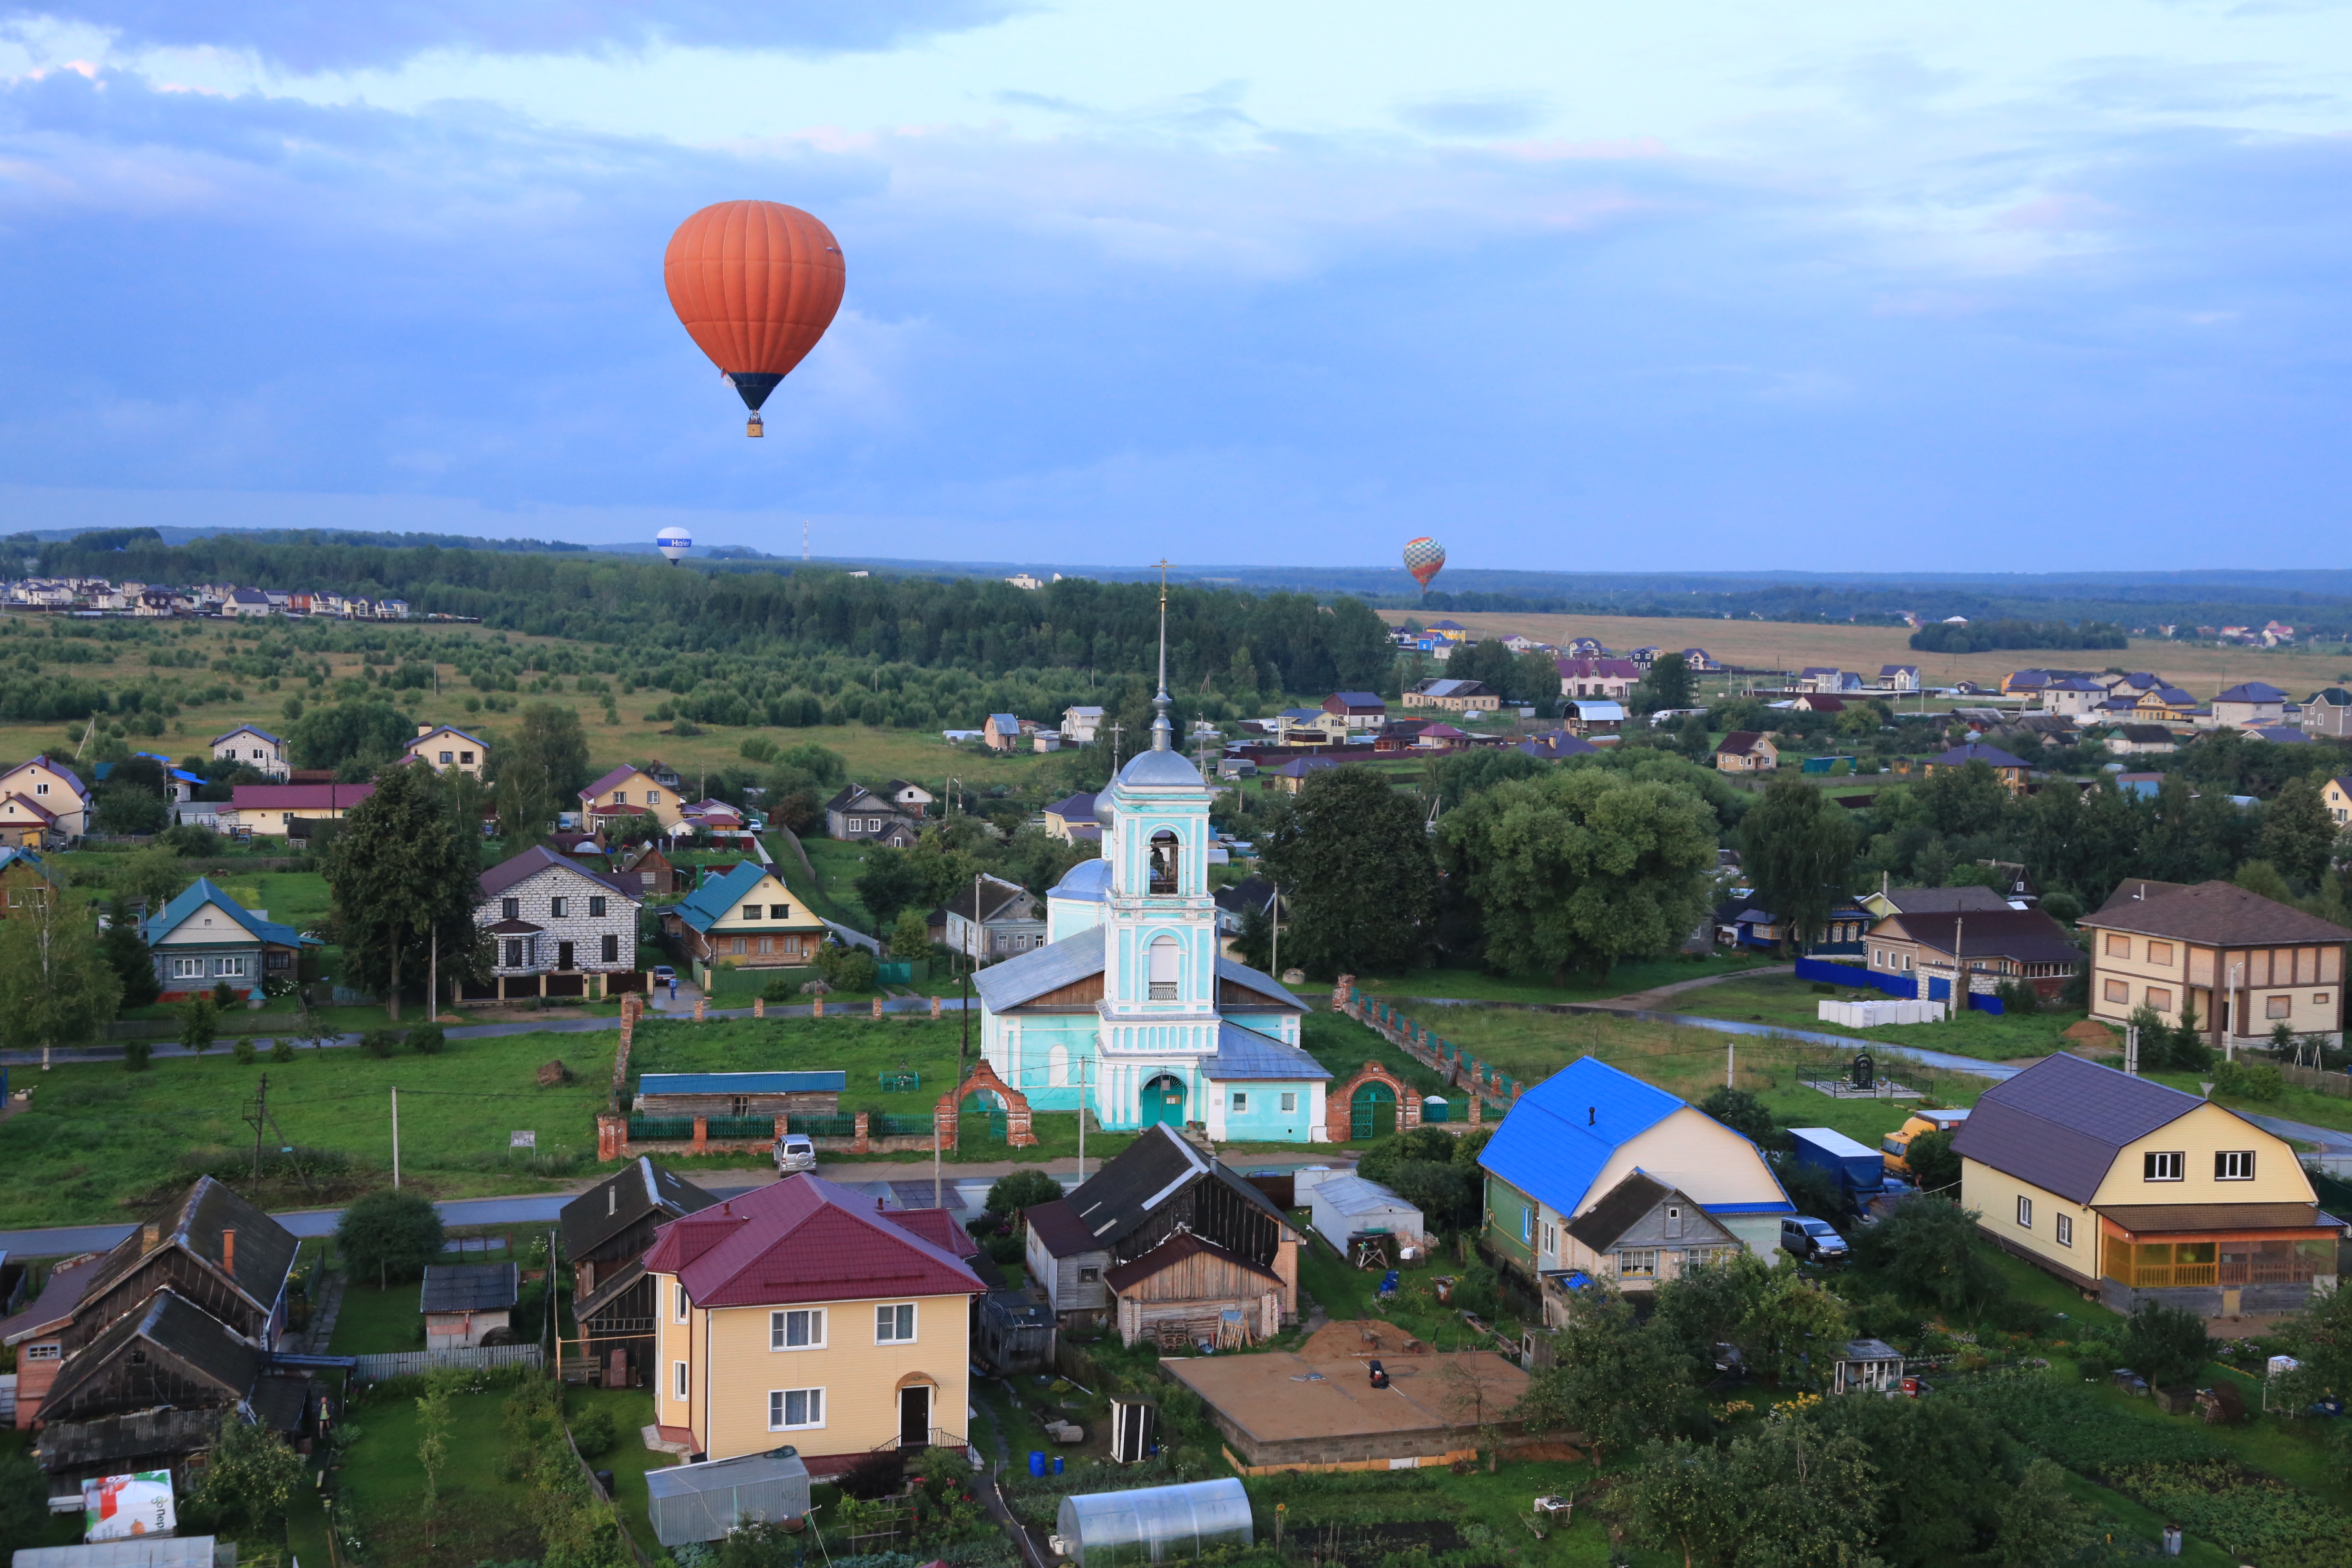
(660, 1129)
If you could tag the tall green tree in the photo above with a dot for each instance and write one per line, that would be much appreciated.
(1619, 1381)
(1358, 640)
(1358, 884)
(127, 954)
(403, 873)
(1583, 868)
(1669, 684)
(249, 1475)
(540, 767)
(56, 987)
(1930, 1252)
(1963, 800)
(363, 734)
(390, 1234)
(2298, 836)
(1798, 850)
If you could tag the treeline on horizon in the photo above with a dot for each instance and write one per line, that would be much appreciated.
(1984, 636)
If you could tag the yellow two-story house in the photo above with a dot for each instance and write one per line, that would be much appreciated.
(631, 792)
(806, 1313)
(2244, 963)
(40, 798)
(2136, 1191)
(446, 749)
(2337, 794)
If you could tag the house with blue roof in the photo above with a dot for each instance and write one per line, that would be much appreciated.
(1597, 1173)
(745, 919)
(204, 938)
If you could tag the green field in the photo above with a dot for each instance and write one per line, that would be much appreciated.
(1791, 1003)
(1473, 985)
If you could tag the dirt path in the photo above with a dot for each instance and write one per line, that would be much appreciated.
(1657, 995)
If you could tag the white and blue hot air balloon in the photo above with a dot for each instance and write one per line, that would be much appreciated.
(672, 542)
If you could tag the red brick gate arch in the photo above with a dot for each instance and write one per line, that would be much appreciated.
(983, 1079)
(1335, 1102)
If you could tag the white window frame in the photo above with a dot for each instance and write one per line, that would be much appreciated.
(680, 1381)
(231, 967)
(885, 1332)
(2163, 1165)
(2233, 1165)
(1241, 1103)
(780, 1408)
(1289, 1103)
(187, 969)
(2065, 1226)
(1550, 1240)
(677, 1302)
(780, 1327)
(53, 1351)
(1637, 1263)
(2024, 1212)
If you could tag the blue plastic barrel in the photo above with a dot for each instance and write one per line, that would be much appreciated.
(1037, 1463)
(1057, 1464)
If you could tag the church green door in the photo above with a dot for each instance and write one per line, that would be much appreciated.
(1163, 1102)
(1371, 1111)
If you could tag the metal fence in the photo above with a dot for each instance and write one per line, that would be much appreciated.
(889, 1126)
(825, 1126)
(416, 1363)
(738, 1128)
(661, 1129)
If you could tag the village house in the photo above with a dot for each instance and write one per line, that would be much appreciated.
(1994, 945)
(1292, 776)
(2071, 696)
(2241, 963)
(2143, 739)
(556, 927)
(1589, 717)
(2337, 794)
(1452, 696)
(2166, 705)
(204, 938)
(2138, 1191)
(1891, 900)
(747, 918)
(629, 791)
(2252, 705)
(1898, 678)
(1071, 819)
(650, 872)
(1080, 724)
(254, 748)
(1554, 744)
(1605, 677)
(447, 749)
(41, 798)
(2010, 770)
(1358, 710)
(467, 1305)
(807, 1313)
(1588, 1144)
(860, 815)
(1310, 727)
(1002, 733)
(1822, 678)
(1009, 921)
(1700, 661)
(1746, 752)
(606, 1232)
(2327, 712)
(273, 809)
(27, 883)
(1819, 702)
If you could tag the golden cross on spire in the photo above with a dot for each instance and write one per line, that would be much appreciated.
(1161, 565)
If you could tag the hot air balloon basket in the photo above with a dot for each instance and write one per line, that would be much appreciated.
(752, 427)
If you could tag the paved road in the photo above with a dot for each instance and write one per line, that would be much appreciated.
(113, 1053)
(1923, 1054)
(908, 1184)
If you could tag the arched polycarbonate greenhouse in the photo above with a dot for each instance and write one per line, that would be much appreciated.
(1154, 1524)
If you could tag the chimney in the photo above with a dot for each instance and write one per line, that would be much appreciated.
(425, 729)
(1591, 1115)
(229, 1252)
(150, 1235)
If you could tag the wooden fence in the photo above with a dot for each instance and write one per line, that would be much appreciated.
(2336, 1083)
(416, 1363)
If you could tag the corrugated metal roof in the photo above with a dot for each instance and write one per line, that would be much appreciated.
(469, 1288)
(803, 1240)
(2059, 1124)
(814, 1082)
(1257, 980)
(1244, 1053)
(1354, 1195)
(1562, 1131)
(1057, 1225)
(1031, 975)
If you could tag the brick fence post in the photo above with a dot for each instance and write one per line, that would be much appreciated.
(611, 1136)
(759, 1006)
(701, 1133)
(698, 1001)
(935, 1009)
(1475, 1097)
(1339, 989)
(782, 1124)
(862, 1146)
(877, 1006)
(819, 999)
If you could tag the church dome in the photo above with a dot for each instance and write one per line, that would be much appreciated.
(1089, 880)
(1159, 768)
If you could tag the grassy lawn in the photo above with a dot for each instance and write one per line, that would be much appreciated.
(838, 864)
(1791, 1003)
(632, 1409)
(374, 1321)
(2297, 1104)
(480, 1517)
(1470, 984)
(99, 1143)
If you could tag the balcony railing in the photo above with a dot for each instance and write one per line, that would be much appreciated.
(2291, 1270)
(937, 1437)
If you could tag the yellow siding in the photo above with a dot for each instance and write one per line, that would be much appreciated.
(60, 799)
(861, 1378)
(1994, 1193)
(632, 790)
(2198, 1136)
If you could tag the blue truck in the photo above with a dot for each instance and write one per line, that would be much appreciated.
(1857, 1168)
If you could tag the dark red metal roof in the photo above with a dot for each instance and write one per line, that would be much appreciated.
(804, 1239)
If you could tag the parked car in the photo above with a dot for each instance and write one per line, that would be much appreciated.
(796, 1152)
(1812, 1240)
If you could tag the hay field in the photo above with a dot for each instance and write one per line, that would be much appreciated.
(2203, 669)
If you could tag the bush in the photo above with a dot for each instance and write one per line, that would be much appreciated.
(199, 1024)
(2166, 1345)
(281, 1049)
(135, 1054)
(874, 1475)
(2096, 1358)
(1929, 1251)
(380, 1043)
(389, 1234)
(244, 1051)
(1744, 1114)
(2249, 1080)
(778, 989)
(596, 1433)
(1008, 1195)
(846, 968)
(223, 997)
(426, 1039)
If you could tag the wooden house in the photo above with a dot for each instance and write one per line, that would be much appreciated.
(606, 1232)
(26, 881)
(468, 1304)
(741, 1094)
(1067, 1261)
(652, 872)
(1187, 1291)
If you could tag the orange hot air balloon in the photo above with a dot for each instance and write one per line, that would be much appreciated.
(1424, 558)
(755, 285)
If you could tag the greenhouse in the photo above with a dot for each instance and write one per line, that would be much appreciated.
(1153, 1524)
(703, 1502)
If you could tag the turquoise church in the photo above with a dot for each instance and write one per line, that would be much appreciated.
(1129, 1008)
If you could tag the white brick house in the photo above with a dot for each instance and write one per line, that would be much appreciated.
(259, 749)
(554, 925)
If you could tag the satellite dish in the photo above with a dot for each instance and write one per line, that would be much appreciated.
(672, 542)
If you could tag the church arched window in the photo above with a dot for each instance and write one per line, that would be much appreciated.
(1163, 862)
(1164, 954)
(1057, 1067)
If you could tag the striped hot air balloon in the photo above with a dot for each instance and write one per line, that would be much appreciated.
(1424, 558)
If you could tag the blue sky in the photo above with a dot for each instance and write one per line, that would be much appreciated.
(1863, 286)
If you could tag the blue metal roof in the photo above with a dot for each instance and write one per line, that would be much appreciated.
(709, 903)
(1784, 1206)
(202, 892)
(1563, 1131)
(1088, 881)
(1246, 1054)
(742, 1082)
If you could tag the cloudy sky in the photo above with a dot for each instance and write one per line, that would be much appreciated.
(1853, 284)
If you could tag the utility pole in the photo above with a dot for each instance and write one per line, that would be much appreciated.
(432, 980)
(395, 1138)
(1274, 944)
(258, 1113)
(1728, 1049)
(1959, 967)
(1081, 1120)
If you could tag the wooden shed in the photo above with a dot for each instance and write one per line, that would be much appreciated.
(1068, 1261)
(1186, 1292)
(739, 1094)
